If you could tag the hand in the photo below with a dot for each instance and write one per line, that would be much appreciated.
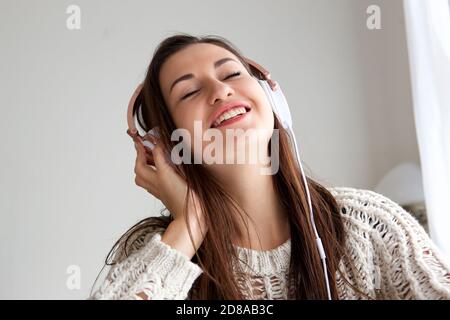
(159, 178)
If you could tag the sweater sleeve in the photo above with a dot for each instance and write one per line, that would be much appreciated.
(412, 266)
(156, 270)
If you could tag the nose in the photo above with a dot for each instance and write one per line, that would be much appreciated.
(220, 91)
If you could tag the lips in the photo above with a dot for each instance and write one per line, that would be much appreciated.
(226, 107)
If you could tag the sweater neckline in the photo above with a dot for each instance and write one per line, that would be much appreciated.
(265, 262)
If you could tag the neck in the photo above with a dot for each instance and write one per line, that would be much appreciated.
(256, 194)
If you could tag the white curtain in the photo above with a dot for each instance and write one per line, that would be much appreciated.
(428, 35)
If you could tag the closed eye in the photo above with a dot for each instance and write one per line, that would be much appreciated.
(233, 75)
(230, 76)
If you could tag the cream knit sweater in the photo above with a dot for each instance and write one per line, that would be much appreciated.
(395, 257)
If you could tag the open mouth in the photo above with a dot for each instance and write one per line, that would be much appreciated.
(231, 116)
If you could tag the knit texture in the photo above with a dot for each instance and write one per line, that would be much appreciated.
(392, 253)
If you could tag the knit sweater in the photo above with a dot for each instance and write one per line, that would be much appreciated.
(394, 256)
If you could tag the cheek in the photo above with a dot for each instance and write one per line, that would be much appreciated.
(186, 118)
(255, 92)
(263, 107)
(264, 112)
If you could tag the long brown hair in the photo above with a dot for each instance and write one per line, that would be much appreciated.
(216, 253)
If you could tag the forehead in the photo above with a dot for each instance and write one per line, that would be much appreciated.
(196, 56)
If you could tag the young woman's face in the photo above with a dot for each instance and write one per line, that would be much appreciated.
(199, 97)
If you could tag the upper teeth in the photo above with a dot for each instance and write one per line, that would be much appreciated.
(229, 114)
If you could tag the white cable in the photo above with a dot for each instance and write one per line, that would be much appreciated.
(318, 240)
(281, 109)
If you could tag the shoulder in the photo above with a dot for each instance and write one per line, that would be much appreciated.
(127, 254)
(379, 229)
(390, 247)
(135, 239)
(369, 210)
(377, 225)
(346, 196)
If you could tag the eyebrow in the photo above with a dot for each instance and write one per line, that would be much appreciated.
(217, 64)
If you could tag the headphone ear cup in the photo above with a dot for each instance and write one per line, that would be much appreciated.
(148, 143)
(155, 132)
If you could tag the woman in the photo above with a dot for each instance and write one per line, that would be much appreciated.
(234, 233)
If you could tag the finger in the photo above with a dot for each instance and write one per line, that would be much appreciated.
(141, 167)
(159, 160)
(140, 159)
(149, 157)
(148, 154)
(159, 157)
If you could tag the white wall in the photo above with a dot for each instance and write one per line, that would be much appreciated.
(67, 182)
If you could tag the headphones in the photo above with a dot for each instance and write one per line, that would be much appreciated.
(281, 109)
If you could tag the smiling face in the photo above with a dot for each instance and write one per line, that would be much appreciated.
(198, 81)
